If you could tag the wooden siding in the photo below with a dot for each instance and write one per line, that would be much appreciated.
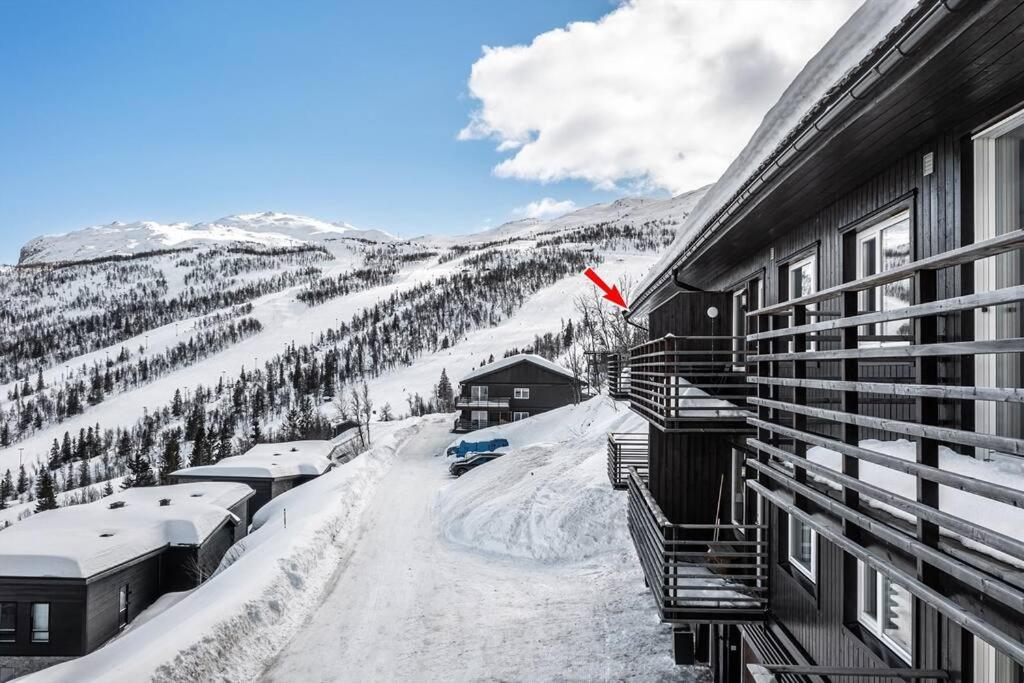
(67, 600)
(143, 581)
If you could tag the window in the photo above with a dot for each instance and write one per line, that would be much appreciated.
(880, 248)
(999, 209)
(992, 666)
(479, 418)
(803, 548)
(516, 417)
(738, 489)
(122, 606)
(802, 279)
(8, 622)
(886, 610)
(478, 393)
(40, 622)
(740, 307)
(521, 392)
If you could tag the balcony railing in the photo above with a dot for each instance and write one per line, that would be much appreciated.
(925, 490)
(626, 450)
(482, 403)
(618, 376)
(690, 384)
(699, 573)
(461, 425)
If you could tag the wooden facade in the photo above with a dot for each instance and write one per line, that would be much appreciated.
(490, 398)
(919, 353)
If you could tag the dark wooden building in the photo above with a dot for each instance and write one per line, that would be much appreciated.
(72, 578)
(269, 469)
(513, 388)
(854, 282)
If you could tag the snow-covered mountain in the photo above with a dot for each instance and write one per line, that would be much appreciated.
(268, 229)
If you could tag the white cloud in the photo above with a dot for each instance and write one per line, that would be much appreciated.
(656, 93)
(545, 208)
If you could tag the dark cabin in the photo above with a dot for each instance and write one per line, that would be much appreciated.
(511, 389)
(269, 469)
(73, 578)
(857, 291)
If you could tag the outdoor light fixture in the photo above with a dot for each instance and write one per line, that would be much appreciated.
(712, 312)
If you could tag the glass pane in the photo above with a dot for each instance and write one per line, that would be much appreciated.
(8, 621)
(40, 616)
(800, 544)
(737, 486)
(898, 607)
(869, 592)
(122, 599)
(895, 295)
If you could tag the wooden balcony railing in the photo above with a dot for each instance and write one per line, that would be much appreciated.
(627, 450)
(684, 384)
(618, 376)
(927, 493)
(699, 573)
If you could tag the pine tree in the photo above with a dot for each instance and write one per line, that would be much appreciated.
(124, 447)
(54, 462)
(84, 474)
(176, 403)
(22, 486)
(65, 448)
(224, 440)
(200, 448)
(445, 393)
(140, 473)
(108, 490)
(256, 435)
(39, 380)
(46, 499)
(171, 460)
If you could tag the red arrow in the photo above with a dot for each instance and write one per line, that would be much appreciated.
(610, 293)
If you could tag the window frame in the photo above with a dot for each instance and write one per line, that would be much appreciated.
(122, 606)
(519, 415)
(736, 468)
(522, 393)
(810, 573)
(874, 232)
(479, 392)
(32, 622)
(875, 625)
(810, 260)
(13, 631)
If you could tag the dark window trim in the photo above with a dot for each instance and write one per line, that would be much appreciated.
(744, 282)
(32, 625)
(13, 631)
(803, 252)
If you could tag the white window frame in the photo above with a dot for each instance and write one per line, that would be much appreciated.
(521, 393)
(875, 232)
(874, 624)
(810, 572)
(811, 261)
(479, 392)
(473, 416)
(736, 469)
(122, 606)
(519, 415)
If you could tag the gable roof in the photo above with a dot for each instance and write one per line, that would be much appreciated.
(513, 360)
(856, 57)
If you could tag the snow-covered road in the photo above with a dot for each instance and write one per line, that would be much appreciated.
(409, 605)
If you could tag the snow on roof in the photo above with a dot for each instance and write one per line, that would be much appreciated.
(518, 358)
(80, 541)
(856, 41)
(269, 461)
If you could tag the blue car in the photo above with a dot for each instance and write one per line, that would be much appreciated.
(467, 447)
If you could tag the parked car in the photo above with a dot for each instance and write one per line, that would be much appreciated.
(467, 447)
(463, 465)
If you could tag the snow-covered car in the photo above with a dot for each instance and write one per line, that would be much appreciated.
(463, 465)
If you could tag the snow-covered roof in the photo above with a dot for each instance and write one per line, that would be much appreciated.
(518, 358)
(855, 44)
(269, 461)
(80, 541)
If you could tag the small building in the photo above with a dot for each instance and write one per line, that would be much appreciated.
(511, 389)
(72, 578)
(269, 469)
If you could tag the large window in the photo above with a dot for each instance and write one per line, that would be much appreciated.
(886, 610)
(517, 416)
(803, 548)
(521, 392)
(999, 209)
(738, 488)
(478, 418)
(40, 622)
(122, 606)
(881, 248)
(992, 666)
(8, 622)
(478, 393)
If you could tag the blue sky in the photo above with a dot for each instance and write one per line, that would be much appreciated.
(385, 114)
(187, 111)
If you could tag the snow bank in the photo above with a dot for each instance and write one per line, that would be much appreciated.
(269, 461)
(548, 497)
(230, 627)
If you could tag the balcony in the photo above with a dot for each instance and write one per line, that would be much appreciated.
(626, 450)
(482, 403)
(461, 425)
(699, 573)
(690, 384)
(618, 376)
